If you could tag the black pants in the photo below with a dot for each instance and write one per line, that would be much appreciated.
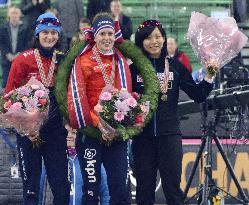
(163, 153)
(53, 152)
(91, 154)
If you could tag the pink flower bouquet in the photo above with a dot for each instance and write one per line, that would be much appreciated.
(25, 108)
(215, 41)
(119, 109)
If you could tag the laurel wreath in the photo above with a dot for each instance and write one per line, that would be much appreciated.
(129, 50)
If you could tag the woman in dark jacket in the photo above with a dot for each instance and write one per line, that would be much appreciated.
(159, 146)
(96, 6)
(32, 9)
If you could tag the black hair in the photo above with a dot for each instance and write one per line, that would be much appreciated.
(144, 32)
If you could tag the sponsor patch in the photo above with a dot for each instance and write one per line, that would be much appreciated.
(89, 153)
(160, 77)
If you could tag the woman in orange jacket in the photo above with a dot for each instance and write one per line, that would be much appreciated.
(99, 64)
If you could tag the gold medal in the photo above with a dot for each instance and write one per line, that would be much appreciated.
(164, 97)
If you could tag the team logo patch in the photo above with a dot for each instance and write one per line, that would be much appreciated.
(90, 193)
(89, 153)
(139, 79)
(171, 76)
(160, 77)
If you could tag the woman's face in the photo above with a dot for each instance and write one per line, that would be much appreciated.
(48, 38)
(153, 44)
(171, 46)
(105, 39)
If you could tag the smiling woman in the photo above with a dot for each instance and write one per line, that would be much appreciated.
(48, 38)
(153, 43)
(105, 40)
(98, 65)
(158, 147)
(41, 62)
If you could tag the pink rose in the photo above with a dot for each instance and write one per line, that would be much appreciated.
(122, 106)
(39, 93)
(131, 102)
(42, 101)
(98, 108)
(106, 96)
(16, 106)
(24, 91)
(118, 116)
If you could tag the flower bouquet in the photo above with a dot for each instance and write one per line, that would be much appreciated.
(215, 42)
(119, 109)
(25, 109)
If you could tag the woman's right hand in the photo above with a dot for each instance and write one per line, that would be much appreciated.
(106, 135)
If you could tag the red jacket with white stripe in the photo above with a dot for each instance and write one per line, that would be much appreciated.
(24, 67)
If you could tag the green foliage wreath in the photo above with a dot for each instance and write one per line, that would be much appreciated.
(129, 50)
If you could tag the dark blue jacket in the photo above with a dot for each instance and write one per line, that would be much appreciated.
(31, 11)
(165, 120)
(23, 39)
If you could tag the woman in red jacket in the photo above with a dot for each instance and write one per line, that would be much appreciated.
(41, 62)
(100, 64)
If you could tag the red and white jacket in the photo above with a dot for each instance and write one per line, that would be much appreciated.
(24, 67)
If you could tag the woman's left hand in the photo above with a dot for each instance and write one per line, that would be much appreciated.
(212, 68)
